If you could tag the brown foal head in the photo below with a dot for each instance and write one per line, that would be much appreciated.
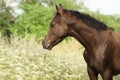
(58, 30)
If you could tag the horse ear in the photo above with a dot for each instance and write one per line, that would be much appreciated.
(59, 9)
(60, 5)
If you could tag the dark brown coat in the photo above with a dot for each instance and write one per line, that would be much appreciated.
(102, 44)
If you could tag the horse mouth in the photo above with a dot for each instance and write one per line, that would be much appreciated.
(48, 47)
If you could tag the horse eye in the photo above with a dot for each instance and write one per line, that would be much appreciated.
(51, 25)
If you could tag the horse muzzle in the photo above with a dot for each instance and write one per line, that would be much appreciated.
(46, 45)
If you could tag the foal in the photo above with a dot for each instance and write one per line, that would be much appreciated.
(102, 44)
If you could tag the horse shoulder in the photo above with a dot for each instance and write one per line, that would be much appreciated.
(96, 59)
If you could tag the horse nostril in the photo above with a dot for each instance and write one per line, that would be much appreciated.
(48, 45)
(45, 46)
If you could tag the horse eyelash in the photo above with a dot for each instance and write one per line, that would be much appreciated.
(53, 24)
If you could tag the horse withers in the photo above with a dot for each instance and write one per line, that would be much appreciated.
(102, 44)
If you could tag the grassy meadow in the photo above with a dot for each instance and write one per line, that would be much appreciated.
(26, 60)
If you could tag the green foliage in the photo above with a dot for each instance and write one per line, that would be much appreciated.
(5, 15)
(34, 21)
(36, 17)
(6, 19)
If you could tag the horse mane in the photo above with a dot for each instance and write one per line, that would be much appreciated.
(90, 21)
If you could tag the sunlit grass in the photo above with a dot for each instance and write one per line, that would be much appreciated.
(26, 60)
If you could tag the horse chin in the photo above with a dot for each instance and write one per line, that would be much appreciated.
(48, 47)
(56, 42)
(51, 45)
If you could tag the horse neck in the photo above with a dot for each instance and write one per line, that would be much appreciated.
(84, 34)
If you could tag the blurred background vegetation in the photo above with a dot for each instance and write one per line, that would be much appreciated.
(37, 14)
(25, 59)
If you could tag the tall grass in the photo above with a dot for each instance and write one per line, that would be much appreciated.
(26, 60)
